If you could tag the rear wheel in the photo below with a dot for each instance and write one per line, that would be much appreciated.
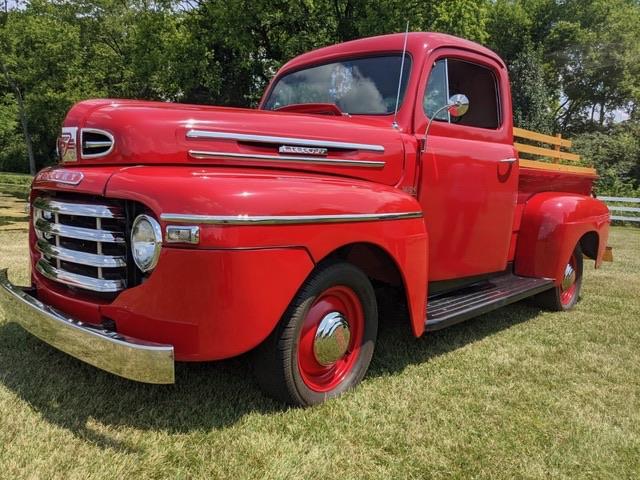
(565, 296)
(325, 341)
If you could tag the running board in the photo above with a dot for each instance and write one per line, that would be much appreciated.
(450, 308)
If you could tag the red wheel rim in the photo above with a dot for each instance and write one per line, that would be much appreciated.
(569, 281)
(319, 377)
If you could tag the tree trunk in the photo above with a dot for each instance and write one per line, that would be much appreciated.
(602, 114)
(24, 121)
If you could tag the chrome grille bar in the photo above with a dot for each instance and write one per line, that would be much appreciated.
(78, 209)
(82, 258)
(81, 281)
(79, 233)
(82, 244)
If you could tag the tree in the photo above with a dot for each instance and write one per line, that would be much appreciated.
(596, 46)
(530, 94)
(38, 73)
(572, 63)
(588, 49)
(616, 155)
(24, 121)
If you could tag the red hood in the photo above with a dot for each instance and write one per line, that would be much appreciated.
(168, 133)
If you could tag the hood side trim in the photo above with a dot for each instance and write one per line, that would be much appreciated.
(205, 154)
(306, 142)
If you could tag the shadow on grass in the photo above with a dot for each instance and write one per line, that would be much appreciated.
(13, 220)
(71, 394)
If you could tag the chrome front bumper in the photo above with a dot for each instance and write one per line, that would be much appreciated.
(125, 356)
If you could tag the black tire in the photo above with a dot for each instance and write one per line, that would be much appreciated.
(280, 361)
(560, 299)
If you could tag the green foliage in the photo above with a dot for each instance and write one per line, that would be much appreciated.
(529, 91)
(616, 156)
(16, 179)
(463, 18)
(573, 63)
(597, 46)
(12, 148)
(589, 51)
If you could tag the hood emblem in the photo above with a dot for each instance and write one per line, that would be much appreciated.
(66, 145)
(303, 150)
(64, 176)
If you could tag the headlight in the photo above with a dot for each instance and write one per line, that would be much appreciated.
(146, 241)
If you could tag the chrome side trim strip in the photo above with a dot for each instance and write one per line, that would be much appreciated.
(80, 281)
(78, 209)
(306, 142)
(119, 354)
(79, 233)
(82, 258)
(284, 219)
(289, 158)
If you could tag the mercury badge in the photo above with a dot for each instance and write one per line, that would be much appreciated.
(66, 145)
(60, 175)
(302, 150)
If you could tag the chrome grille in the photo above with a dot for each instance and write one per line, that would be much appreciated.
(95, 143)
(83, 245)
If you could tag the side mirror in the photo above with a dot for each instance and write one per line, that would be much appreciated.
(456, 106)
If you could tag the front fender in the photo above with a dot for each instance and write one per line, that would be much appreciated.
(552, 225)
(203, 196)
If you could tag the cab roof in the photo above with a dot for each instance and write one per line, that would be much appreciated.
(418, 45)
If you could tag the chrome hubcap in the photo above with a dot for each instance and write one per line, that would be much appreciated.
(332, 338)
(569, 277)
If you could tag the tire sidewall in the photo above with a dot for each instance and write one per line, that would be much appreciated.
(340, 274)
(579, 268)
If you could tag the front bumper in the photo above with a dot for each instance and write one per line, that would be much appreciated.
(119, 354)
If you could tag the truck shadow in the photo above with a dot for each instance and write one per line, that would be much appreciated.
(77, 397)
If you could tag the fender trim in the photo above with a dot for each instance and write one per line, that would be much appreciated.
(284, 219)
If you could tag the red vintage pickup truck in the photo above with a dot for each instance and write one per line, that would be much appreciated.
(174, 232)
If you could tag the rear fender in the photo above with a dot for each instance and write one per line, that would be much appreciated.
(552, 225)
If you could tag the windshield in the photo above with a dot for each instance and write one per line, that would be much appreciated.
(363, 86)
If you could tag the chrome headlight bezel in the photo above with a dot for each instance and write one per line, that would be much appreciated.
(154, 241)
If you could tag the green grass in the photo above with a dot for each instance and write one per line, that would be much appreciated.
(20, 179)
(518, 393)
(15, 184)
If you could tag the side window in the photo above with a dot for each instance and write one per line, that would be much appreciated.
(451, 76)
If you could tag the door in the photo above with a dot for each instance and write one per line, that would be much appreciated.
(468, 176)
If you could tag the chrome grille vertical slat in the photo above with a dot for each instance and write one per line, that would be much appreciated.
(56, 217)
(74, 249)
(99, 245)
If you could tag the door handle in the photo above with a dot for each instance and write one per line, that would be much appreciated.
(509, 160)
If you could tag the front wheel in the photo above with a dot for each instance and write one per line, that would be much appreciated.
(565, 296)
(325, 340)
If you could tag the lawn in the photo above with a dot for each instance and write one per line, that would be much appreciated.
(15, 184)
(517, 393)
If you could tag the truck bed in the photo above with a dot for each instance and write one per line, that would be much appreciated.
(547, 177)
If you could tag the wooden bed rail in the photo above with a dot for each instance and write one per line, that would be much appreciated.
(552, 155)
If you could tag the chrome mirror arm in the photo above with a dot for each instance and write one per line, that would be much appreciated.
(457, 106)
(426, 132)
